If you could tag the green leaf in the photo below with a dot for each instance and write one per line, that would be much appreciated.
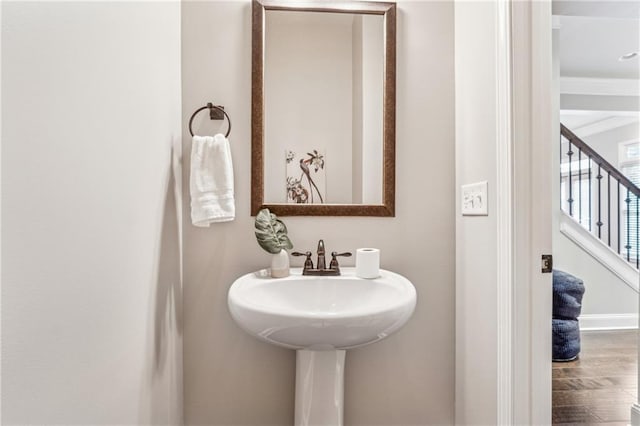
(271, 232)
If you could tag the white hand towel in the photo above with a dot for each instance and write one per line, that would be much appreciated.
(211, 183)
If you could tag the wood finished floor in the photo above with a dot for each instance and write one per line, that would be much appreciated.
(601, 385)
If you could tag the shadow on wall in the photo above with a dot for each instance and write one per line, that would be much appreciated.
(165, 376)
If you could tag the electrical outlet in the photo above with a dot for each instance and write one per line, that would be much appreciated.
(474, 199)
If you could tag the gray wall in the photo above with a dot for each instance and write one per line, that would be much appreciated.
(91, 290)
(605, 293)
(408, 379)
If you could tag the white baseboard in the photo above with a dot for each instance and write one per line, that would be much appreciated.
(608, 322)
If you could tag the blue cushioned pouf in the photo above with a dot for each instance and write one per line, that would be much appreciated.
(567, 295)
(566, 339)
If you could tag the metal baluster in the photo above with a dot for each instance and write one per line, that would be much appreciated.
(560, 191)
(628, 245)
(580, 185)
(609, 209)
(590, 219)
(570, 199)
(599, 222)
(619, 213)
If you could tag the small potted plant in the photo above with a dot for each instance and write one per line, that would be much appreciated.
(271, 234)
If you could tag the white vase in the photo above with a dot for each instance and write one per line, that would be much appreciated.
(280, 264)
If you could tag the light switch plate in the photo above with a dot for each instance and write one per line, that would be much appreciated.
(474, 199)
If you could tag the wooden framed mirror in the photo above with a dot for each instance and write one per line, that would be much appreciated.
(323, 108)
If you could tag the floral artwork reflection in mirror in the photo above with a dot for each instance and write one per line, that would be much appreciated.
(306, 176)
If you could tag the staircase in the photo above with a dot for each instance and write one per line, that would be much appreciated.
(601, 206)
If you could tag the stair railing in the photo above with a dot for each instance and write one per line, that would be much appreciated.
(609, 212)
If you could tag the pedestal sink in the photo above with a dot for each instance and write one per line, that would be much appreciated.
(321, 317)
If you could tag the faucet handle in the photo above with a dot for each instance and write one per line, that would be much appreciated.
(334, 261)
(308, 264)
(345, 254)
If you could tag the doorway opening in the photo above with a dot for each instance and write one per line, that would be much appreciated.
(595, 214)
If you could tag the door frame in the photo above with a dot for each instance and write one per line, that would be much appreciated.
(530, 99)
(525, 136)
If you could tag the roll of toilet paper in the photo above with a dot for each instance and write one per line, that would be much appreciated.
(368, 263)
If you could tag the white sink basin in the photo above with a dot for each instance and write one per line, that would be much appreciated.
(321, 317)
(321, 313)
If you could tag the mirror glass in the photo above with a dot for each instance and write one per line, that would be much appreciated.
(323, 108)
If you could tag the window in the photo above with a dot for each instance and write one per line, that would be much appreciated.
(629, 165)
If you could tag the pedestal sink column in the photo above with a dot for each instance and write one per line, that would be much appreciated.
(319, 387)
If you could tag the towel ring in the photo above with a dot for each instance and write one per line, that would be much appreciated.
(210, 106)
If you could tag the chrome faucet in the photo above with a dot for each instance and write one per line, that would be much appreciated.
(321, 267)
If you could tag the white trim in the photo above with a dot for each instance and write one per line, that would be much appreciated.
(599, 86)
(1, 6)
(504, 141)
(544, 134)
(592, 322)
(533, 133)
(599, 251)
